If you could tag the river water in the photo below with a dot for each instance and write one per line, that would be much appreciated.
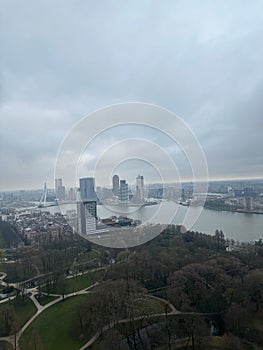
(239, 226)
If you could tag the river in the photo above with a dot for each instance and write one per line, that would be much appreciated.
(239, 226)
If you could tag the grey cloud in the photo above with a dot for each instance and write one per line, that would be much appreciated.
(62, 60)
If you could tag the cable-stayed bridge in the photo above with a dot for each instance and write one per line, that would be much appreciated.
(44, 203)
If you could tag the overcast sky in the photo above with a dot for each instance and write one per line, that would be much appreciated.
(61, 60)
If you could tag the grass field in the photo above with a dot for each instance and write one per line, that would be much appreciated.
(62, 318)
(74, 284)
(56, 328)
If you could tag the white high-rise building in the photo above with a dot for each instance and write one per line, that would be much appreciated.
(86, 216)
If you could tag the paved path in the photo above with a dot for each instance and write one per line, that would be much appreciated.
(40, 308)
(173, 311)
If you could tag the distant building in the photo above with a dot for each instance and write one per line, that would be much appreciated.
(60, 189)
(139, 188)
(115, 185)
(156, 193)
(183, 195)
(58, 183)
(123, 191)
(248, 203)
(61, 193)
(87, 189)
(248, 192)
(71, 194)
(238, 193)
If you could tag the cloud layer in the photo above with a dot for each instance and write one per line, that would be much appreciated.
(61, 60)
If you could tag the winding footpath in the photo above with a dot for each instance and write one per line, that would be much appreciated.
(14, 339)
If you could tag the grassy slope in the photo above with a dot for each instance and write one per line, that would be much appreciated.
(74, 284)
(56, 328)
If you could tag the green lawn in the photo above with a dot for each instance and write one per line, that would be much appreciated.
(5, 345)
(74, 284)
(56, 328)
(77, 283)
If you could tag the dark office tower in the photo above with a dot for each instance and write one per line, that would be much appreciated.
(115, 185)
(123, 191)
(87, 189)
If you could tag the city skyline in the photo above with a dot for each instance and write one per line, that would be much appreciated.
(146, 182)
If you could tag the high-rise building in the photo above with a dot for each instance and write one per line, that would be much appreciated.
(87, 189)
(115, 185)
(123, 191)
(60, 190)
(140, 188)
(71, 194)
(58, 183)
(248, 203)
(87, 217)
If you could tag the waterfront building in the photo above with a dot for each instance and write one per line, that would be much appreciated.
(60, 189)
(86, 217)
(115, 185)
(123, 191)
(139, 188)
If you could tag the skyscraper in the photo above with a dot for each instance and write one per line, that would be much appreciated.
(140, 188)
(123, 191)
(87, 217)
(87, 189)
(58, 183)
(60, 190)
(115, 185)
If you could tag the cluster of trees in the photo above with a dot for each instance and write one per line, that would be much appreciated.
(197, 274)
(8, 321)
(194, 271)
(9, 236)
(110, 301)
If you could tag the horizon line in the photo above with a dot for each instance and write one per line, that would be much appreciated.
(215, 179)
